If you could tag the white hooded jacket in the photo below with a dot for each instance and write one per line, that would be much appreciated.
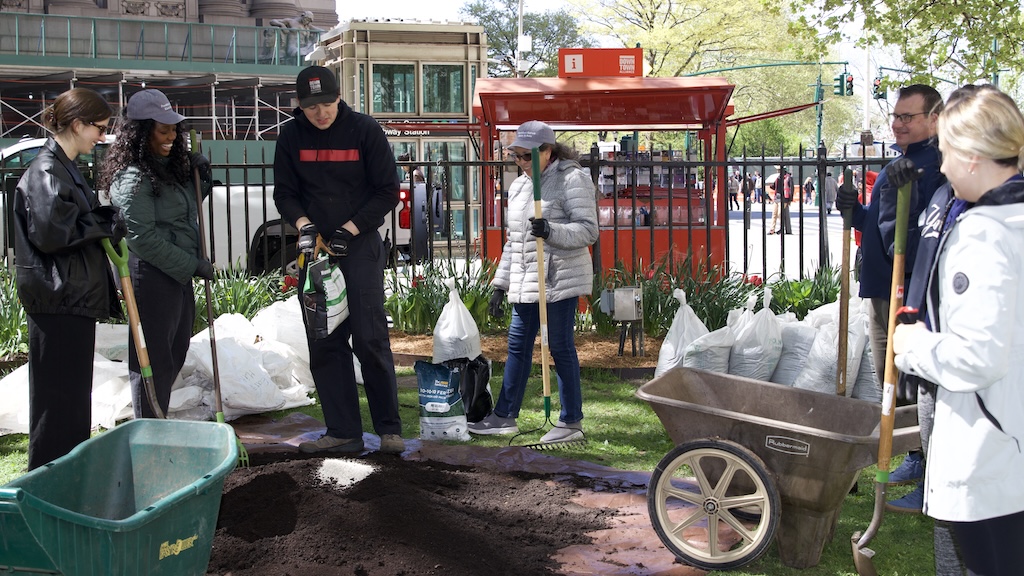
(569, 205)
(976, 356)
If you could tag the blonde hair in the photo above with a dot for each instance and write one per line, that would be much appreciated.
(984, 122)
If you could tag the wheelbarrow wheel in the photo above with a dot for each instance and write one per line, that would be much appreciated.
(713, 504)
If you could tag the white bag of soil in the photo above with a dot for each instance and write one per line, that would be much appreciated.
(455, 334)
(710, 351)
(686, 328)
(797, 339)
(758, 342)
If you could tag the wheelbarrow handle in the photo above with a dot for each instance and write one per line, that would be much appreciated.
(119, 255)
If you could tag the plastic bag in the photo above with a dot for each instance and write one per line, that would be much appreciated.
(866, 386)
(455, 333)
(710, 351)
(819, 373)
(686, 327)
(758, 343)
(474, 386)
(324, 298)
(797, 339)
(442, 413)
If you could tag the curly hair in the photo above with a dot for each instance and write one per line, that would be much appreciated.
(132, 148)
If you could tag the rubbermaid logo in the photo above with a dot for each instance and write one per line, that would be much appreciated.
(169, 549)
(787, 445)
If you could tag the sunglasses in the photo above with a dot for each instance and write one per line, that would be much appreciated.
(103, 128)
(527, 156)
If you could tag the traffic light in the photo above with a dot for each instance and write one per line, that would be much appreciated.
(837, 88)
(849, 84)
(878, 92)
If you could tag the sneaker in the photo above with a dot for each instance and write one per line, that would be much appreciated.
(494, 424)
(910, 504)
(331, 444)
(563, 432)
(391, 444)
(910, 471)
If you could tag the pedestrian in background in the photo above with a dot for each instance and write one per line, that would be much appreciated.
(970, 346)
(335, 177)
(63, 277)
(831, 190)
(568, 228)
(149, 174)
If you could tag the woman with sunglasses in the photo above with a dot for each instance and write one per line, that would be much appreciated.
(972, 342)
(63, 277)
(568, 227)
(149, 171)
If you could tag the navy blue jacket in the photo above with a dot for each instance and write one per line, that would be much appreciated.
(877, 221)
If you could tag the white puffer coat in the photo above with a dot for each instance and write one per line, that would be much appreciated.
(568, 203)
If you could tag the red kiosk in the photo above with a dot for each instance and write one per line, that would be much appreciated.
(624, 104)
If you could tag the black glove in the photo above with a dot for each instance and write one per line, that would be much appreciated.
(202, 163)
(495, 307)
(540, 228)
(902, 171)
(339, 242)
(118, 228)
(847, 197)
(307, 239)
(204, 269)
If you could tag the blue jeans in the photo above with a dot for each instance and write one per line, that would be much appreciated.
(522, 335)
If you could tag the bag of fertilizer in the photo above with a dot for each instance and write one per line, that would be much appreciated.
(442, 413)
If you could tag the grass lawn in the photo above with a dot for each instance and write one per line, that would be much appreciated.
(623, 432)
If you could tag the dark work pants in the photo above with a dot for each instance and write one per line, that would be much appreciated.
(330, 359)
(992, 547)
(60, 353)
(167, 310)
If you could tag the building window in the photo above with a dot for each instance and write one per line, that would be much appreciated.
(443, 89)
(362, 88)
(394, 88)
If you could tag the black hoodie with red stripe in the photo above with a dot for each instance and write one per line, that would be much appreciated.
(346, 172)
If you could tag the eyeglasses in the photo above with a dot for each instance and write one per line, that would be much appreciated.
(527, 156)
(103, 128)
(905, 118)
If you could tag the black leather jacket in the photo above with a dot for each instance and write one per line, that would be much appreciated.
(59, 222)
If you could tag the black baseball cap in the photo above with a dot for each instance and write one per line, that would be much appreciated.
(316, 85)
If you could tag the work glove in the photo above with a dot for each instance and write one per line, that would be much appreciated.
(846, 199)
(540, 228)
(339, 242)
(118, 228)
(496, 306)
(307, 239)
(204, 269)
(202, 163)
(902, 171)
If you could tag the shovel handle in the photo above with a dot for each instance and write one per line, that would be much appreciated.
(541, 289)
(844, 295)
(119, 255)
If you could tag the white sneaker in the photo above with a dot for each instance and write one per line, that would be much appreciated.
(494, 424)
(563, 432)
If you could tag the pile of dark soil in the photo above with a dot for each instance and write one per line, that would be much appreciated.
(404, 518)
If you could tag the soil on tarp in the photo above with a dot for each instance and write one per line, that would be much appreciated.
(304, 517)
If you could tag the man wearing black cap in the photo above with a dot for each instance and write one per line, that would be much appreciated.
(335, 175)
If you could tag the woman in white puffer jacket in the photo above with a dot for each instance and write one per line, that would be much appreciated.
(568, 227)
(974, 347)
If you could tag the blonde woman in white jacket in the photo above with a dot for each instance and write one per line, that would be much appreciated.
(974, 348)
(569, 227)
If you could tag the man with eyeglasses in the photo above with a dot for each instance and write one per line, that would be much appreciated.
(914, 125)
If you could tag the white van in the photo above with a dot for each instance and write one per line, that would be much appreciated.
(247, 228)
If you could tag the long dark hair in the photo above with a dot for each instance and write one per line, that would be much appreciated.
(132, 149)
(560, 151)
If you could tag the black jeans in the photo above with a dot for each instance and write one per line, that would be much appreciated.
(167, 310)
(330, 359)
(60, 359)
(992, 547)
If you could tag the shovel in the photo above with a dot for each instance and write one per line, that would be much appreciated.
(862, 555)
(119, 257)
(844, 293)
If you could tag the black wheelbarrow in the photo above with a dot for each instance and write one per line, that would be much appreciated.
(757, 462)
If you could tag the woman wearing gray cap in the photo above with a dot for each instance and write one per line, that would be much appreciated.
(149, 173)
(569, 227)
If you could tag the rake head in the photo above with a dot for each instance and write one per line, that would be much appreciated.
(573, 441)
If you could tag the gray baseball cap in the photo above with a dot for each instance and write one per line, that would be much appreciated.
(532, 134)
(151, 104)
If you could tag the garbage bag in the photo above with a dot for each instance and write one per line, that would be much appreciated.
(474, 386)
(758, 345)
(455, 334)
(710, 351)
